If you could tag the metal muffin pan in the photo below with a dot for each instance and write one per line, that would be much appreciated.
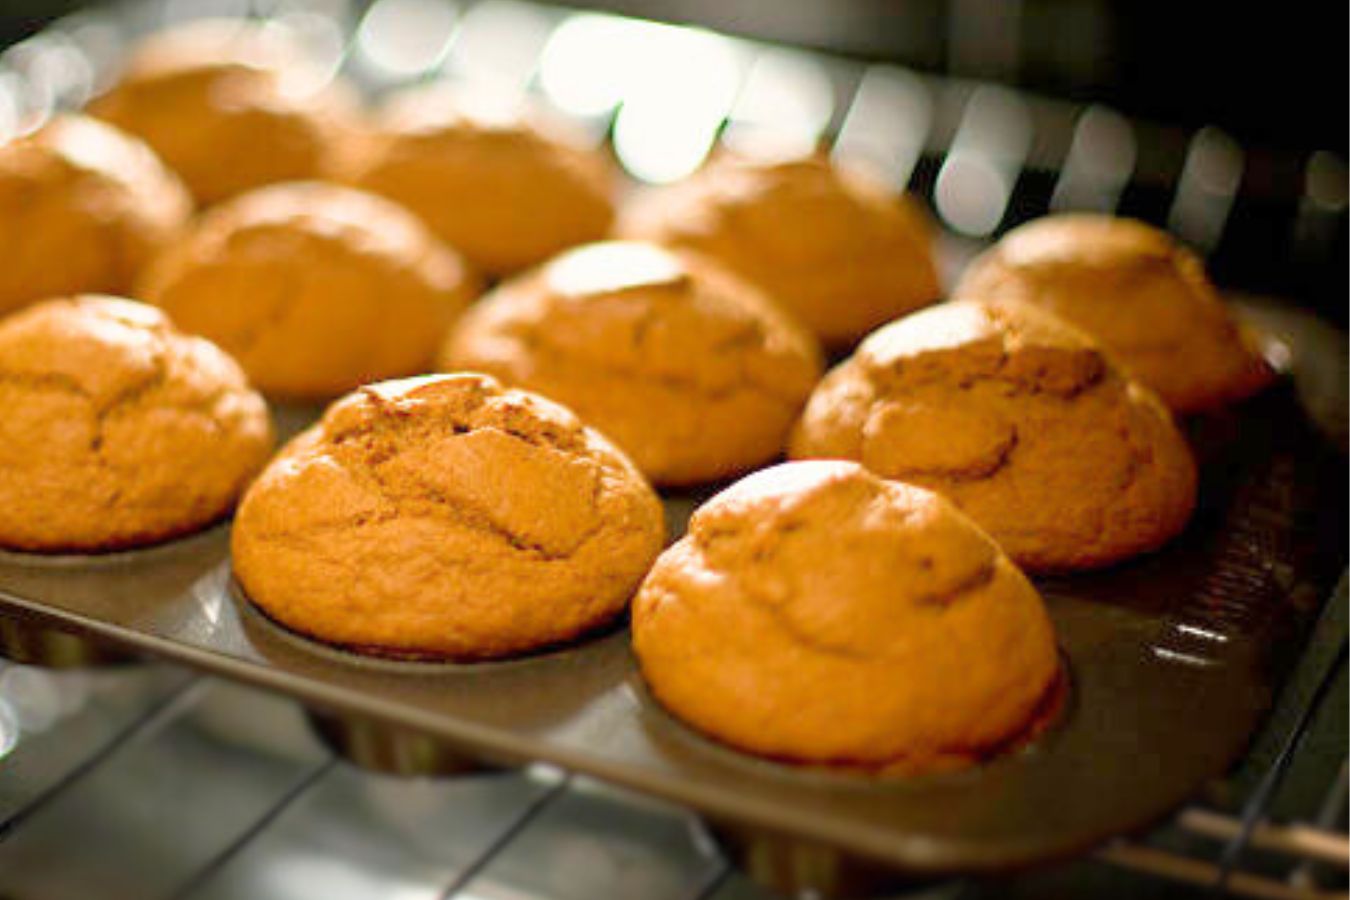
(1172, 658)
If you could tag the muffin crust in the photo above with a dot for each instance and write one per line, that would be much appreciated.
(446, 516)
(230, 106)
(818, 614)
(83, 207)
(688, 369)
(500, 184)
(313, 287)
(1021, 421)
(118, 430)
(838, 251)
(1143, 296)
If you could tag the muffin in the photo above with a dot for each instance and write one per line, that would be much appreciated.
(815, 613)
(229, 106)
(1021, 421)
(446, 516)
(313, 287)
(118, 430)
(82, 207)
(841, 253)
(1143, 296)
(692, 372)
(502, 185)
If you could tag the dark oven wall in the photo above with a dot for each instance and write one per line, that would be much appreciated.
(1272, 78)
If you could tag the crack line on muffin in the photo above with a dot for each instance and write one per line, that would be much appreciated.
(889, 383)
(455, 510)
(55, 380)
(706, 539)
(968, 475)
(939, 601)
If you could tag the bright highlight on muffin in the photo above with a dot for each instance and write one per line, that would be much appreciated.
(691, 371)
(83, 207)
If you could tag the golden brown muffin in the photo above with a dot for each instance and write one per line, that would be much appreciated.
(1021, 421)
(691, 371)
(841, 253)
(314, 288)
(229, 106)
(1138, 292)
(446, 516)
(504, 187)
(118, 430)
(817, 614)
(82, 207)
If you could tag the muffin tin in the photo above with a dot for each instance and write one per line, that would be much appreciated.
(1172, 660)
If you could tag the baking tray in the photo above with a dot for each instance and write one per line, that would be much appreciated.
(1172, 659)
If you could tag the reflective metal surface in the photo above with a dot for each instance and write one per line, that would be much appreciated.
(1174, 657)
(144, 821)
(356, 835)
(381, 747)
(54, 723)
(36, 645)
(1173, 660)
(345, 834)
(592, 842)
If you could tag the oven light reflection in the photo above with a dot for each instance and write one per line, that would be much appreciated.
(888, 124)
(675, 104)
(1100, 161)
(498, 45)
(331, 876)
(583, 67)
(784, 107)
(400, 39)
(1209, 182)
(976, 182)
(33, 699)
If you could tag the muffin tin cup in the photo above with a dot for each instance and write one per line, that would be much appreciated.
(25, 642)
(793, 867)
(393, 750)
(1173, 659)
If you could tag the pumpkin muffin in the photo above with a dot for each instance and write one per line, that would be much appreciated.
(1139, 293)
(118, 430)
(230, 106)
(817, 614)
(313, 287)
(1021, 421)
(841, 253)
(499, 183)
(83, 206)
(446, 516)
(692, 372)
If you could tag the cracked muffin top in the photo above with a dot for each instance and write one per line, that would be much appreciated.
(446, 516)
(500, 183)
(1021, 421)
(1138, 292)
(83, 207)
(818, 614)
(691, 371)
(230, 105)
(313, 287)
(839, 251)
(118, 429)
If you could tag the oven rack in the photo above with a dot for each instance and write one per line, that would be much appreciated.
(1024, 154)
